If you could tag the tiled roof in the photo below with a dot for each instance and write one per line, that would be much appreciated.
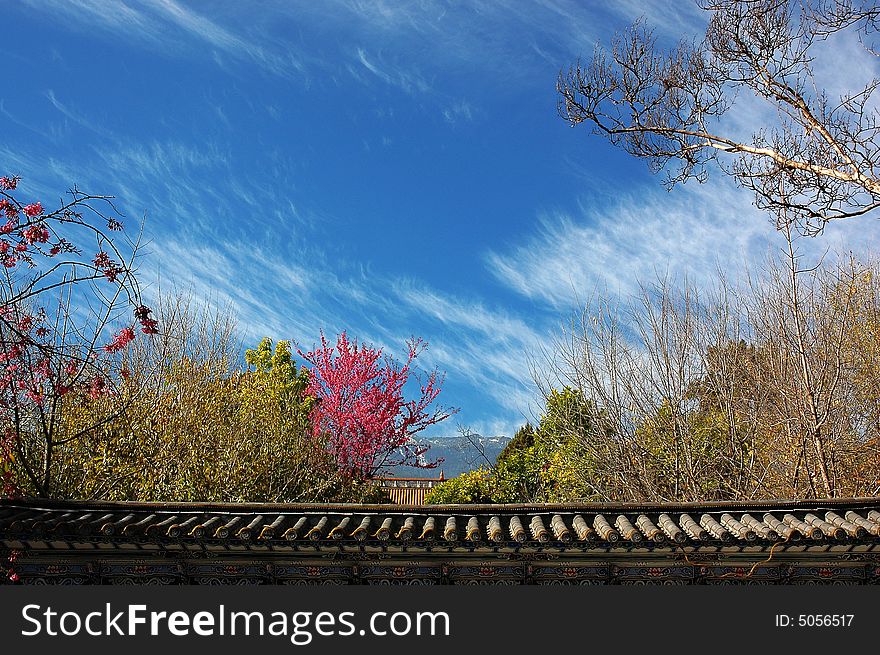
(733, 525)
(773, 542)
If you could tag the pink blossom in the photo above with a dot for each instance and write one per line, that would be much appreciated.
(148, 325)
(34, 209)
(120, 341)
(36, 234)
(362, 409)
(9, 183)
(112, 272)
(97, 387)
(42, 368)
(9, 209)
(108, 267)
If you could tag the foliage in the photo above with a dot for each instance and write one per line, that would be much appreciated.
(57, 305)
(361, 406)
(519, 470)
(542, 464)
(769, 390)
(693, 442)
(7, 468)
(276, 380)
(523, 439)
(469, 487)
(189, 425)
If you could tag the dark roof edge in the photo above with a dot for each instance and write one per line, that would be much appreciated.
(257, 508)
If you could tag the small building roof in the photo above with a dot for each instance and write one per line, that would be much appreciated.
(408, 491)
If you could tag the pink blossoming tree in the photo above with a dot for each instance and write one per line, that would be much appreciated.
(65, 280)
(362, 408)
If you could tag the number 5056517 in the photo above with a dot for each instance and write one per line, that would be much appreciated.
(825, 620)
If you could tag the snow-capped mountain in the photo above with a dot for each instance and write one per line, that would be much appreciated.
(459, 454)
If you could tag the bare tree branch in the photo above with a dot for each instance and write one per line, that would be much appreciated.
(817, 163)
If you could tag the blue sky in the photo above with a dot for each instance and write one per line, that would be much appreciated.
(387, 168)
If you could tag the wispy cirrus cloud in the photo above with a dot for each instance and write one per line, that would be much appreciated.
(489, 346)
(242, 45)
(479, 348)
(613, 244)
(115, 17)
(418, 48)
(459, 111)
(401, 43)
(404, 77)
(234, 219)
(693, 232)
(170, 27)
(74, 116)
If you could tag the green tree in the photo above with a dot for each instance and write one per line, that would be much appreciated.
(687, 455)
(571, 435)
(518, 471)
(187, 424)
(471, 487)
(277, 377)
(546, 463)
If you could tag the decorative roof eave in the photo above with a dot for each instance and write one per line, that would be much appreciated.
(839, 524)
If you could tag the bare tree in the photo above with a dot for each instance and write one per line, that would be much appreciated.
(658, 372)
(817, 161)
(803, 318)
(768, 390)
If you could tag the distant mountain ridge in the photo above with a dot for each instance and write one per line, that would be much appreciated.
(459, 454)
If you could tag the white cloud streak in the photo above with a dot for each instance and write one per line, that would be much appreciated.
(692, 232)
(410, 81)
(164, 25)
(616, 246)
